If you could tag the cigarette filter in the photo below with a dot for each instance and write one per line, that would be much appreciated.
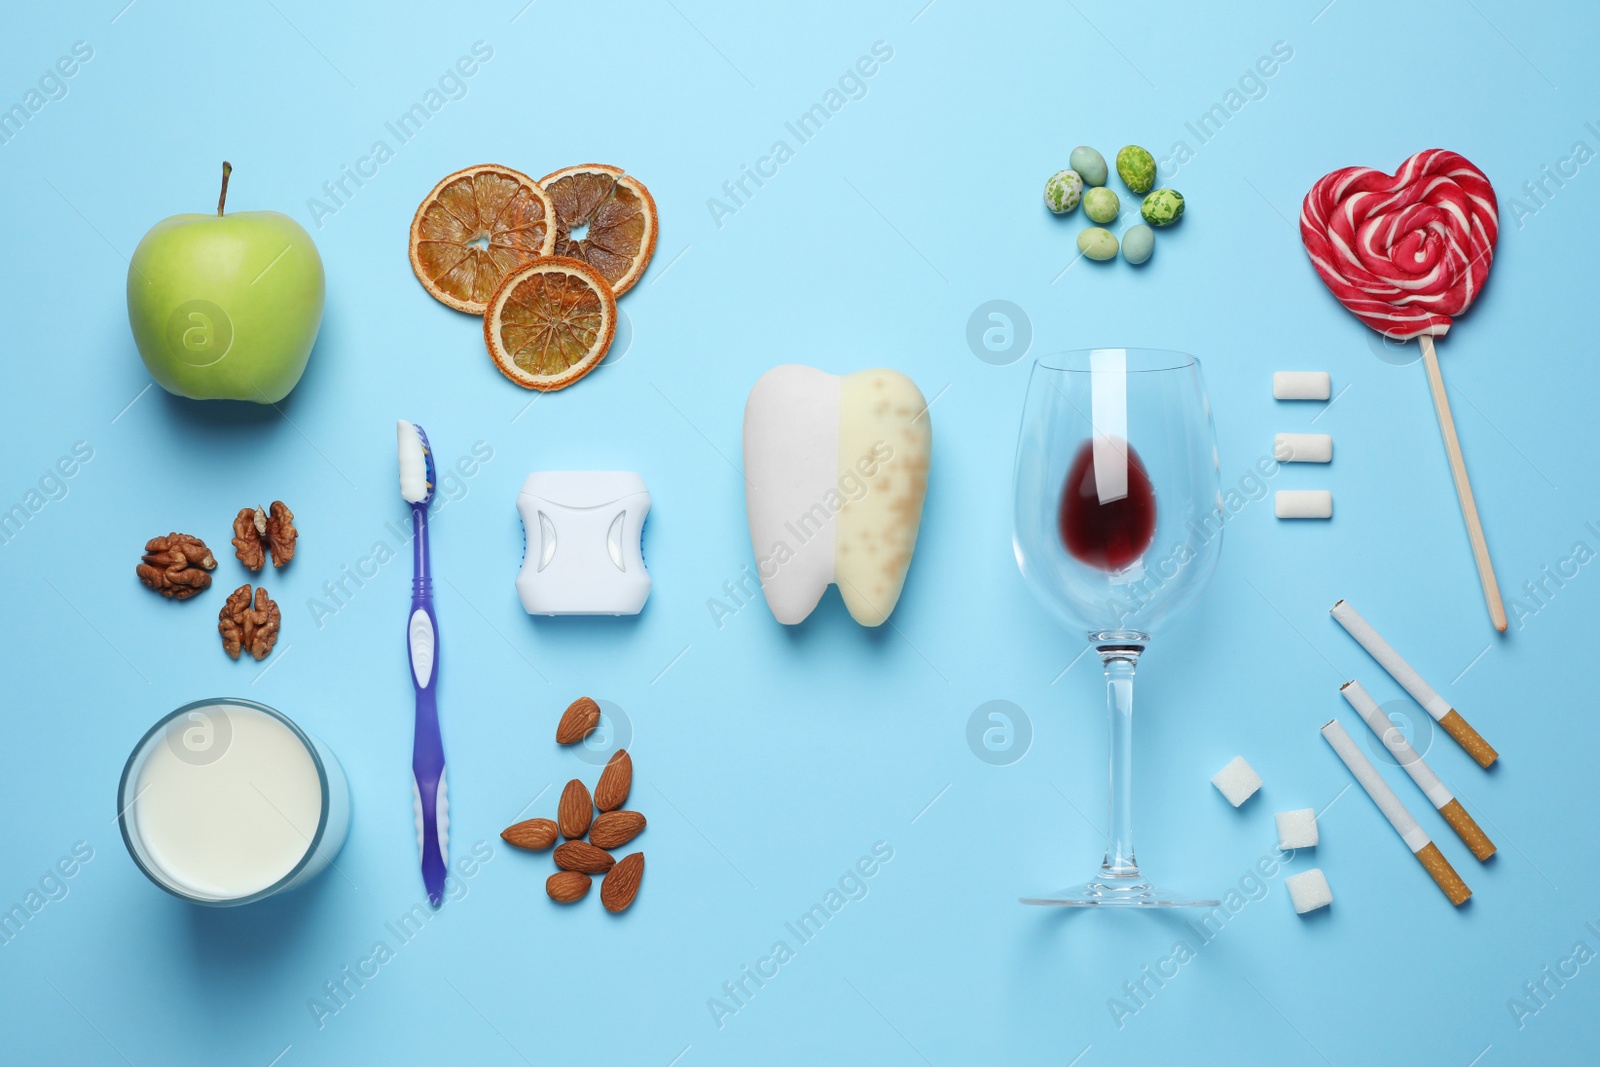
(1405, 825)
(1437, 792)
(1412, 683)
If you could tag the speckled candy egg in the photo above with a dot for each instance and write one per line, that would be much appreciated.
(1090, 164)
(1098, 243)
(1063, 191)
(1136, 168)
(1162, 207)
(1101, 205)
(1138, 243)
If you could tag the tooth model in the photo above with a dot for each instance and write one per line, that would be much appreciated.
(581, 531)
(836, 469)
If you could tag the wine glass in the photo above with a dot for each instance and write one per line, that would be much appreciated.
(1118, 525)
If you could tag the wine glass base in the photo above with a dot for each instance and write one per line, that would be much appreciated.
(1111, 892)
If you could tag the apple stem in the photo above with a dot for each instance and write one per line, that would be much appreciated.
(227, 169)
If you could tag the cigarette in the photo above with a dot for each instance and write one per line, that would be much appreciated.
(1437, 792)
(1410, 831)
(1412, 682)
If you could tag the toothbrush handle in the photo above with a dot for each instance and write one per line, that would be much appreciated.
(427, 756)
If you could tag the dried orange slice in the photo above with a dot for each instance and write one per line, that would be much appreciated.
(620, 216)
(550, 322)
(474, 228)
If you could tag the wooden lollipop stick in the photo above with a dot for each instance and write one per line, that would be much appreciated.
(1458, 471)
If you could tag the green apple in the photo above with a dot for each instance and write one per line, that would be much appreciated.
(226, 307)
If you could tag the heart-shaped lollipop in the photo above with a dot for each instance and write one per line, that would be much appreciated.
(1407, 252)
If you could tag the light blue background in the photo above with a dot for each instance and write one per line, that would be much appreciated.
(770, 760)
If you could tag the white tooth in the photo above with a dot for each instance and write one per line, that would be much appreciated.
(836, 469)
(791, 456)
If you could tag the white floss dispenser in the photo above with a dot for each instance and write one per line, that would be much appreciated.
(581, 533)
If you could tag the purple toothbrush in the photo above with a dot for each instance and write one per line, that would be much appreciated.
(422, 647)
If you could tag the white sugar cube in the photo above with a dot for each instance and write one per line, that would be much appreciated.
(1301, 385)
(1303, 504)
(1298, 828)
(1308, 891)
(1238, 781)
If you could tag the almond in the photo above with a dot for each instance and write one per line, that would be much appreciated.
(621, 884)
(611, 791)
(575, 810)
(613, 829)
(578, 722)
(566, 887)
(534, 835)
(582, 856)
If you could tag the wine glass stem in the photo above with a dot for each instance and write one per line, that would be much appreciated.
(1119, 667)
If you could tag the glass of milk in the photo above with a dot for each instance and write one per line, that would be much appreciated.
(227, 801)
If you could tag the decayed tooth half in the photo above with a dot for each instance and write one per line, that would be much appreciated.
(837, 470)
(885, 440)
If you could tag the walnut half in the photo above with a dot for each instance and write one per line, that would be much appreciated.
(280, 532)
(175, 565)
(248, 626)
(248, 527)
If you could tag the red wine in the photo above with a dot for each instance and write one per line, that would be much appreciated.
(1113, 534)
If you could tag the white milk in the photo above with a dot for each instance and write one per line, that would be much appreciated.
(224, 802)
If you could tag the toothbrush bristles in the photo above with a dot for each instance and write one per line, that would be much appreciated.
(416, 463)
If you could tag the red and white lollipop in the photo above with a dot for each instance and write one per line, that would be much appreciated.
(1406, 253)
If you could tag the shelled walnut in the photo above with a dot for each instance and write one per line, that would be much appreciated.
(247, 626)
(281, 534)
(258, 531)
(175, 565)
(249, 526)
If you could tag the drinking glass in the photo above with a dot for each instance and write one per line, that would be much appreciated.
(201, 783)
(1118, 526)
